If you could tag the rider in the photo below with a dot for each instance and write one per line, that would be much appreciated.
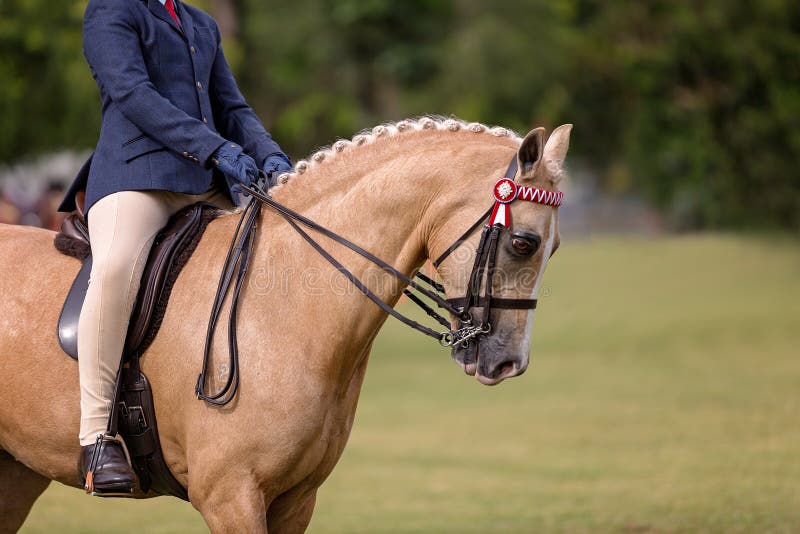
(172, 115)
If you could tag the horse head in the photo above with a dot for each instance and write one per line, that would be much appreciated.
(511, 273)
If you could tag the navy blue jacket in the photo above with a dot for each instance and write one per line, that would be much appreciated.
(169, 101)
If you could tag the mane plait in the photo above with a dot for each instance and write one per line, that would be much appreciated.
(395, 129)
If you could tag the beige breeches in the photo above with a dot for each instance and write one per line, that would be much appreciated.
(122, 227)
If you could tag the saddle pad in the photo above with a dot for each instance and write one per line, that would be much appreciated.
(172, 248)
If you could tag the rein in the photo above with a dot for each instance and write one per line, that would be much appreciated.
(243, 241)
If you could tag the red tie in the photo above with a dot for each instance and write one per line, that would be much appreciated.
(170, 5)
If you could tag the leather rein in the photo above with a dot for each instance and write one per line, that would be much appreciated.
(243, 242)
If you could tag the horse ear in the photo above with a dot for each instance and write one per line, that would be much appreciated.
(555, 151)
(531, 151)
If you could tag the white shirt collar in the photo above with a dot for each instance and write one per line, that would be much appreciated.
(163, 2)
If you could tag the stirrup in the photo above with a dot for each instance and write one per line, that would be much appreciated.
(88, 486)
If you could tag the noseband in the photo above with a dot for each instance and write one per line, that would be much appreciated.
(506, 191)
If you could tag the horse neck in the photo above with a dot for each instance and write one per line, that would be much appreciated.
(391, 198)
(375, 200)
(392, 195)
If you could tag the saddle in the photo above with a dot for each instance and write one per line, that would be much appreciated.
(171, 250)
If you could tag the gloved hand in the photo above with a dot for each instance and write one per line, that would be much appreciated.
(235, 164)
(275, 165)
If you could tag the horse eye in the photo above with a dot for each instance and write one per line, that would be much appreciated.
(525, 245)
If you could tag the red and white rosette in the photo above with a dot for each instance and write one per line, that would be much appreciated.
(505, 192)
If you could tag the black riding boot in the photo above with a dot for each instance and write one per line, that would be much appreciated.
(107, 470)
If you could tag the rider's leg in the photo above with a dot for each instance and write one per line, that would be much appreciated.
(122, 227)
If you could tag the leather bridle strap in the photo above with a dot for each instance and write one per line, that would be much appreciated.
(243, 243)
(492, 263)
(485, 261)
(511, 172)
(236, 261)
(431, 282)
(359, 284)
(295, 219)
(458, 242)
(506, 304)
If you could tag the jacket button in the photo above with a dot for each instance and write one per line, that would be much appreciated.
(186, 154)
(205, 120)
(199, 85)
(193, 50)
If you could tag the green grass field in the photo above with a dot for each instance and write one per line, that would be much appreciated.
(663, 396)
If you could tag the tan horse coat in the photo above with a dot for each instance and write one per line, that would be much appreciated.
(304, 334)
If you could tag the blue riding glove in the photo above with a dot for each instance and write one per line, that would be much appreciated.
(238, 167)
(275, 165)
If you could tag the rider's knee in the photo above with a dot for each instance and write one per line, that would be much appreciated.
(112, 271)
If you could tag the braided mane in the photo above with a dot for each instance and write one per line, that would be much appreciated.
(369, 136)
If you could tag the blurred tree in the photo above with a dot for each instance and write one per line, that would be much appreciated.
(707, 104)
(393, 47)
(226, 13)
(319, 69)
(501, 63)
(48, 99)
(295, 73)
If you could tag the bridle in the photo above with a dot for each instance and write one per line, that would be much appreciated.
(236, 262)
(506, 191)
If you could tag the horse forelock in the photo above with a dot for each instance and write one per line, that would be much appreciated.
(555, 169)
(396, 130)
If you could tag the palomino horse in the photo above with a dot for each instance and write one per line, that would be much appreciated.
(405, 192)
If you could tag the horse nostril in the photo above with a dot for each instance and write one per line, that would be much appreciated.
(503, 369)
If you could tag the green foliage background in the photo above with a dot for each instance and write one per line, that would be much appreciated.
(695, 105)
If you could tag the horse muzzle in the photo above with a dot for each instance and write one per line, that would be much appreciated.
(490, 359)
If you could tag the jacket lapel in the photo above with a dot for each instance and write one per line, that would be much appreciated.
(186, 22)
(158, 9)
